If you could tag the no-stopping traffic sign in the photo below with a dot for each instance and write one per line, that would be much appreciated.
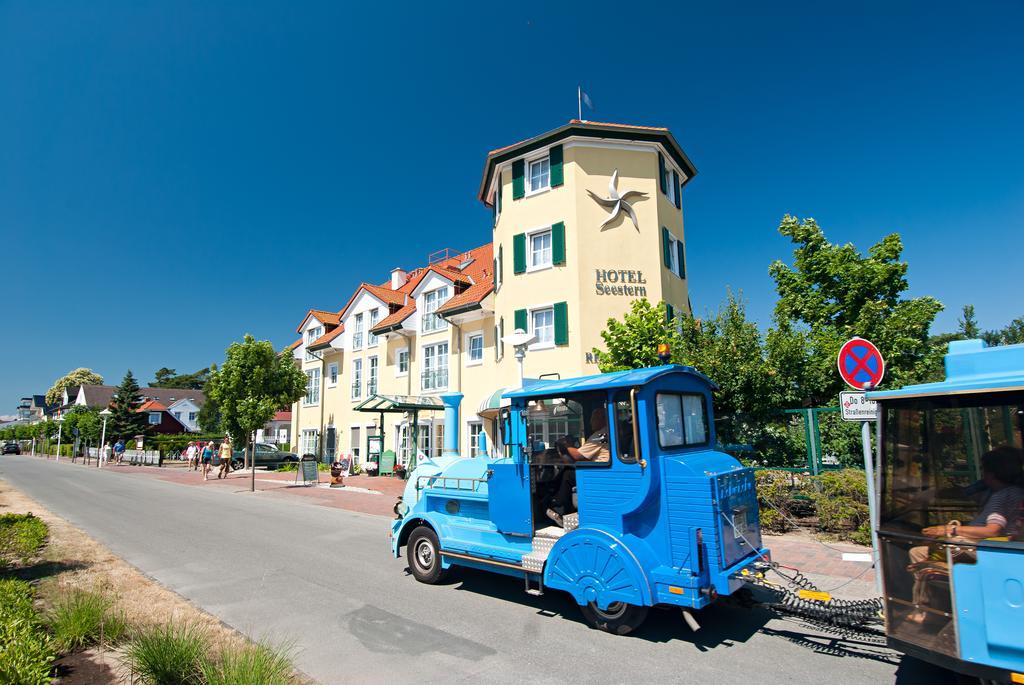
(861, 364)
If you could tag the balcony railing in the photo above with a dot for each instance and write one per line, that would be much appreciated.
(357, 340)
(435, 379)
(371, 388)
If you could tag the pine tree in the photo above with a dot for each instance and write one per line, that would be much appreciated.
(126, 421)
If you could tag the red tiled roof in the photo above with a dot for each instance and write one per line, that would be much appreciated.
(471, 295)
(612, 123)
(294, 345)
(323, 316)
(395, 317)
(325, 339)
(283, 416)
(151, 405)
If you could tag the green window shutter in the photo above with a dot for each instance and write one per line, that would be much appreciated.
(666, 248)
(561, 323)
(520, 320)
(661, 173)
(558, 243)
(500, 271)
(555, 165)
(494, 213)
(678, 189)
(669, 312)
(497, 195)
(519, 253)
(680, 253)
(518, 179)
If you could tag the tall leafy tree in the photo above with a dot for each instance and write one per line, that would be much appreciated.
(967, 326)
(833, 292)
(80, 376)
(125, 420)
(251, 385)
(1011, 334)
(169, 378)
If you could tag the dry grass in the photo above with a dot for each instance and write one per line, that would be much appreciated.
(74, 561)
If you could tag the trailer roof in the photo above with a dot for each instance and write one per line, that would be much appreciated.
(605, 381)
(970, 367)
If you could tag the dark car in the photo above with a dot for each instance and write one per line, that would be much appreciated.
(11, 447)
(266, 455)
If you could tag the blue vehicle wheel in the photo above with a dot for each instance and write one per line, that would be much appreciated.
(619, 618)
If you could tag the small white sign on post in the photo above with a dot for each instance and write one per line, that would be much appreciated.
(856, 407)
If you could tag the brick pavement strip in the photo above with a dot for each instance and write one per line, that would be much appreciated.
(823, 565)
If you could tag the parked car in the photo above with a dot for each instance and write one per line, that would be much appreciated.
(11, 447)
(267, 455)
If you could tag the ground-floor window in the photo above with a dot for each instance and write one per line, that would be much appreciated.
(476, 442)
(354, 444)
(308, 444)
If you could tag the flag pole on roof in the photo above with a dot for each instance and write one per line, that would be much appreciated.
(582, 99)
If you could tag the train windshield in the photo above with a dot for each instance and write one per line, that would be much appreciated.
(948, 462)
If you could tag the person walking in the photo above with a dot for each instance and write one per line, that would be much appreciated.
(118, 451)
(225, 458)
(192, 455)
(207, 458)
(105, 454)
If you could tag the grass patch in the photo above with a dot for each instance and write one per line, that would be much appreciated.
(26, 651)
(84, 618)
(168, 654)
(21, 536)
(251, 664)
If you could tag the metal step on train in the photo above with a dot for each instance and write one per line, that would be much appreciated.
(544, 539)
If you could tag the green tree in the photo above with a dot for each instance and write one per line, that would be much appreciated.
(1011, 334)
(125, 420)
(169, 378)
(633, 342)
(209, 418)
(252, 384)
(967, 326)
(80, 376)
(832, 293)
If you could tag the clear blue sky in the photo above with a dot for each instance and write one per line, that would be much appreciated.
(176, 174)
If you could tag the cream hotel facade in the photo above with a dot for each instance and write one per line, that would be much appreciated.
(563, 257)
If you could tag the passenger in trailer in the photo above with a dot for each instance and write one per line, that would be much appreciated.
(999, 516)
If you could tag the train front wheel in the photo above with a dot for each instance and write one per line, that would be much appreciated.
(424, 554)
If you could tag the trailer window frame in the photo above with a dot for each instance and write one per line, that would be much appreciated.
(685, 444)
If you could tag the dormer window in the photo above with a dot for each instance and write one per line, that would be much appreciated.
(371, 339)
(431, 301)
(312, 334)
(357, 333)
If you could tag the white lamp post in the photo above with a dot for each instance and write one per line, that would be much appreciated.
(60, 431)
(520, 340)
(106, 414)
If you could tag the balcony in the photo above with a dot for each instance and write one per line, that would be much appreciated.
(357, 340)
(434, 379)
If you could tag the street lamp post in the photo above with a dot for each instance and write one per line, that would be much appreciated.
(60, 431)
(106, 413)
(520, 340)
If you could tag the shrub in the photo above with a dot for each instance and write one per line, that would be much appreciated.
(841, 501)
(168, 654)
(253, 664)
(26, 652)
(21, 536)
(85, 618)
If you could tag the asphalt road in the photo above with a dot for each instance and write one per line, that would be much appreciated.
(323, 579)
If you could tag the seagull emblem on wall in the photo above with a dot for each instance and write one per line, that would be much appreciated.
(618, 203)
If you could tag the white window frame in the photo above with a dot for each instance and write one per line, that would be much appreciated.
(357, 380)
(192, 416)
(528, 181)
(398, 362)
(673, 243)
(371, 339)
(311, 336)
(541, 345)
(470, 337)
(372, 375)
(312, 397)
(531, 265)
(430, 364)
(473, 446)
(357, 332)
(155, 415)
(308, 441)
(332, 374)
(429, 321)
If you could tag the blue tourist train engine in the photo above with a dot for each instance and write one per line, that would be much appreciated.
(606, 487)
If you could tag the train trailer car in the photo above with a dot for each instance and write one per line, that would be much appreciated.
(606, 487)
(951, 528)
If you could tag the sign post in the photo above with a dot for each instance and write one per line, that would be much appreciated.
(862, 367)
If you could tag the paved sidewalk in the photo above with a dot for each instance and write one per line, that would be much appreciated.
(821, 562)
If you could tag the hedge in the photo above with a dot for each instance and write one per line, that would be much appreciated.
(837, 499)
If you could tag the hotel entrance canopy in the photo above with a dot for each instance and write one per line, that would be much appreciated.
(401, 404)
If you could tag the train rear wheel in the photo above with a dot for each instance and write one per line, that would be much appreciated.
(619, 618)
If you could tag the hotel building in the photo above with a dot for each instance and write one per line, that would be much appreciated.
(586, 219)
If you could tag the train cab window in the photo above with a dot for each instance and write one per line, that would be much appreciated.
(682, 419)
(624, 447)
(579, 421)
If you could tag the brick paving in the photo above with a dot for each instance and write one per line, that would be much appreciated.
(821, 562)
